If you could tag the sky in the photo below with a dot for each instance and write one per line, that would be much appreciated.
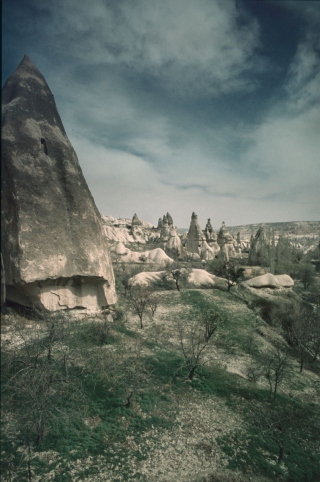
(206, 106)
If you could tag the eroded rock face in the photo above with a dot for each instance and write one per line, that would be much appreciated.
(225, 241)
(55, 251)
(195, 236)
(173, 245)
(259, 248)
(269, 280)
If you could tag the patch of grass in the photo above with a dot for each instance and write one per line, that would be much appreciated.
(125, 331)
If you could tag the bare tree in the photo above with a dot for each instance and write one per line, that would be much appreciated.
(35, 368)
(153, 305)
(228, 270)
(232, 274)
(304, 334)
(195, 337)
(276, 364)
(275, 424)
(140, 298)
(177, 272)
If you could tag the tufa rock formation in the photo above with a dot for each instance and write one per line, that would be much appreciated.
(259, 248)
(169, 236)
(196, 241)
(225, 241)
(55, 251)
(209, 232)
(136, 221)
(195, 236)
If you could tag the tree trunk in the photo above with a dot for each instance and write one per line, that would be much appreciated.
(281, 451)
(128, 404)
(192, 372)
(301, 364)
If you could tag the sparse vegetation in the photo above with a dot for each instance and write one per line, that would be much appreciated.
(121, 397)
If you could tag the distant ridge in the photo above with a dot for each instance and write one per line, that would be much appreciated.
(285, 227)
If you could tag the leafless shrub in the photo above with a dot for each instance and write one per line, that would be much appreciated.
(195, 338)
(141, 298)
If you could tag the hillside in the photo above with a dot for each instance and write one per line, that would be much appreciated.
(122, 407)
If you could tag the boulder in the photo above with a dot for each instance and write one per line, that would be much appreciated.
(269, 280)
(199, 278)
(157, 255)
(120, 249)
(285, 281)
(148, 278)
(55, 251)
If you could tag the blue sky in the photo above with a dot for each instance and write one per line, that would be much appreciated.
(209, 106)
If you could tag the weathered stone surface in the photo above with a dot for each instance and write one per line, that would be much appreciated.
(259, 248)
(173, 245)
(136, 221)
(285, 281)
(195, 236)
(197, 279)
(268, 280)
(225, 241)
(55, 251)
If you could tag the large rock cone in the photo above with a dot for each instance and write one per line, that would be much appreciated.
(54, 249)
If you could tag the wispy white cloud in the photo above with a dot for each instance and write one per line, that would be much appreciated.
(130, 80)
(189, 47)
(304, 74)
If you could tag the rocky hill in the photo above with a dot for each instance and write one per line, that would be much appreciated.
(290, 228)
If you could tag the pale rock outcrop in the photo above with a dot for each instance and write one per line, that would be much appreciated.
(225, 241)
(285, 281)
(120, 249)
(121, 230)
(125, 255)
(209, 232)
(148, 278)
(158, 256)
(116, 234)
(269, 280)
(169, 236)
(197, 279)
(211, 240)
(136, 230)
(166, 219)
(207, 252)
(195, 236)
(165, 233)
(239, 245)
(55, 251)
(173, 245)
